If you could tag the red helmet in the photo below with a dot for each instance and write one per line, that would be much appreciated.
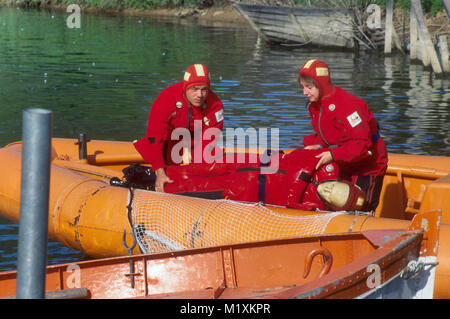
(320, 72)
(196, 74)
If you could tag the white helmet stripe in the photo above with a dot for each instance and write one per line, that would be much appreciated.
(199, 70)
(308, 64)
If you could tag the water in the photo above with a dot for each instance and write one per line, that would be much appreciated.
(102, 78)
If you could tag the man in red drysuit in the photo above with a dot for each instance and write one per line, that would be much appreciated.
(184, 121)
(345, 126)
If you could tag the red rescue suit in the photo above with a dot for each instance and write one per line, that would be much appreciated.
(292, 182)
(344, 123)
(170, 111)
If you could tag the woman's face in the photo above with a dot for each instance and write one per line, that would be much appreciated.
(310, 90)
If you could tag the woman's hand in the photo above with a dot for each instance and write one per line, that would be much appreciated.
(324, 158)
(161, 179)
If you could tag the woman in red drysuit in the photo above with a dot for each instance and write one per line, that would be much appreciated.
(344, 124)
(184, 110)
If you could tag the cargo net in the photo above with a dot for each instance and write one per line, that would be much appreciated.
(167, 222)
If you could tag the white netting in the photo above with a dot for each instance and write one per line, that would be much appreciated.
(164, 222)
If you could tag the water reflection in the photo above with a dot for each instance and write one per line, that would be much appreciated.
(101, 79)
(417, 105)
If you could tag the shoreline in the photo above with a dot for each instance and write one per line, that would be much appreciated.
(220, 14)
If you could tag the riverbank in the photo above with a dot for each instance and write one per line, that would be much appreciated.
(217, 14)
(207, 12)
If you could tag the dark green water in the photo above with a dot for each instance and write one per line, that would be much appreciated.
(102, 78)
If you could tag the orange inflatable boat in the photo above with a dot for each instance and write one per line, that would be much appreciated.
(395, 264)
(87, 214)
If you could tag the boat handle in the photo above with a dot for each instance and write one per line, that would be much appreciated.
(130, 253)
(327, 260)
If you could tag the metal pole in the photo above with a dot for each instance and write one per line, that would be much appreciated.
(82, 146)
(35, 184)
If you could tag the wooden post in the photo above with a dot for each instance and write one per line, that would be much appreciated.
(403, 30)
(423, 50)
(443, 49)
(425, 38)
(412, 35)
(397, 41)
(388, 27)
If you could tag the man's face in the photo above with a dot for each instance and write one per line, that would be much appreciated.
(310, 91)
(197, 95)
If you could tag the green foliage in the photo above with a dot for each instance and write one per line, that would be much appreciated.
(428, 6)
(436, 6)
(433, 6)
(131, 4)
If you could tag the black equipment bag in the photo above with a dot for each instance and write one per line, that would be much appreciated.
(136, 176)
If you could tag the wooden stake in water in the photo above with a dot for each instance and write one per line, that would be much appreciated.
(388, 27)
(413, 35)
(425, 39)
(443, 50)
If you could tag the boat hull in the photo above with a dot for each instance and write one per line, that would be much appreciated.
(279, 268)
(89, 215)
(305, 26)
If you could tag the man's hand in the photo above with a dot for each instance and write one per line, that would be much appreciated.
(324, 158)
(161, 179)
(313, 147)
